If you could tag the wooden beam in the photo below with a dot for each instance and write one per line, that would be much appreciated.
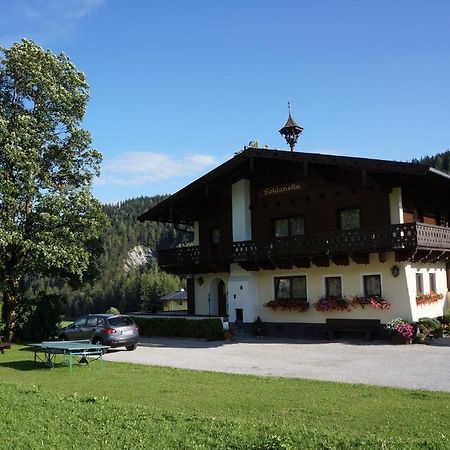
(303, 263)
(360, 258)
(340, 260)
(284, 264)
(403, 255)
(321, 261)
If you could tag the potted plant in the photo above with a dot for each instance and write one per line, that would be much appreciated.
(400, 330)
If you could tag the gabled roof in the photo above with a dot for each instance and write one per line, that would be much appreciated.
(241, 161)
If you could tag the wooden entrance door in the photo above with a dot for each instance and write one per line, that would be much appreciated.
(222, 297)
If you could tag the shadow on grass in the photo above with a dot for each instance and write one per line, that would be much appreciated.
(23, 366)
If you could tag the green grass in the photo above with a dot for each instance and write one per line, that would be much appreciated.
(132, 406)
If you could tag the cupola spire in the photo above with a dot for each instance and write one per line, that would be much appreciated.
(291, 131)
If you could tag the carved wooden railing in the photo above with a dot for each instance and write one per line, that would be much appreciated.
(182, 256)
(392, 237)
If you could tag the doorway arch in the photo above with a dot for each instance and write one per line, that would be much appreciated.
(218, 304)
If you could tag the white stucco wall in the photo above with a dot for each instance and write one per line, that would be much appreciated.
(202, 304)
(250, 290)
(434, 309)
(394, 290)
(396, 205)
(196, 233)
(241, 214)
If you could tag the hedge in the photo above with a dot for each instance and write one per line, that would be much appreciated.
(211, 329)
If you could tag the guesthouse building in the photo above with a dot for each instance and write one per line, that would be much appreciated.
(301, 238)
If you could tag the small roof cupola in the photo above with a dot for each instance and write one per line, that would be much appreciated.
(291, 131)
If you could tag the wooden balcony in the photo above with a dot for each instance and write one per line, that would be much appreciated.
(410, 241)
(193, 259)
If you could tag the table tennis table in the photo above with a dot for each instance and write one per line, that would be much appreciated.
(80, 351)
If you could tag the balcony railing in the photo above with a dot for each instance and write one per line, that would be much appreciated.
(408, 236)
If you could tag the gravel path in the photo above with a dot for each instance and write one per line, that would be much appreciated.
(379, 363)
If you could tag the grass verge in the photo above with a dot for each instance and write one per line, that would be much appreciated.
(132, 406)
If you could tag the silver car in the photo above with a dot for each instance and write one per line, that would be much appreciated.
(104, 329)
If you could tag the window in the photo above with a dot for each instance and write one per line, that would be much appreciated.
(91, 322)
(349, 219)
(80, 322)
(419, 283)
(372, 285)
(290, 226)
(215, 235)
(333, 286)
(432, 282)
(290, 287)
(120, 321)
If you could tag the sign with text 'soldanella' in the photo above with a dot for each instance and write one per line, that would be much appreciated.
(282, 189)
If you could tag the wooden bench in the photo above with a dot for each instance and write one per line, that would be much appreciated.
(366, 327)
(4, 346)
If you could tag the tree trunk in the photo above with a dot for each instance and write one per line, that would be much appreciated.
(9, 310)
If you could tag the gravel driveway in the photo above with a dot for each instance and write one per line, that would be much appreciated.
(379, 363)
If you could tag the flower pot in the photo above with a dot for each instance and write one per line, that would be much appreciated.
(397, 339)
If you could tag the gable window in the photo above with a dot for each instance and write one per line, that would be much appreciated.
(290, 226)
(432, 282)
(287, 288)
(419, 283)
(372, 285)
(349, 219)
(215, 235)
(333, 287)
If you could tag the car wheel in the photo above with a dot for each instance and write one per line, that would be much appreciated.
(130, 348)
(97, 341)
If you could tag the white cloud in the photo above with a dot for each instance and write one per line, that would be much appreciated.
(137, 168)
(42, 21)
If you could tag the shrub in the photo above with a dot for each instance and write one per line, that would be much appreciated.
(39, 317)
(211, 329)
(446, 318)
(112, 310)
(258, 328)
(428, 328)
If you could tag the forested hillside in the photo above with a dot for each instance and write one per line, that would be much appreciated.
(116, 285)
(441, 161)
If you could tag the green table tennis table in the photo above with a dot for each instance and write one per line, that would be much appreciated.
(79, 351)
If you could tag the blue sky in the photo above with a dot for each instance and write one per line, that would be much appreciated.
(177, 87)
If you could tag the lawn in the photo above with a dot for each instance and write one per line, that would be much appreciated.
(131, 406)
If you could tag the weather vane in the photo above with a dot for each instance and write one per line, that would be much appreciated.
(291, 131)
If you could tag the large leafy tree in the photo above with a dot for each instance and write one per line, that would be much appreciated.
(49, 219)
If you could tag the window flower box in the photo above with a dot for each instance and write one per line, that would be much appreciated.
(428, 299)
(292, 304)
(373, 300)
(330, 303)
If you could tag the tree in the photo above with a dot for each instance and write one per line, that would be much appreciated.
(49, 220)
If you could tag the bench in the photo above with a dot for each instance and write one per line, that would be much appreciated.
(366, 327)
(4, 346)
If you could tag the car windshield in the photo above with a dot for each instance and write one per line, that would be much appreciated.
(121, 321)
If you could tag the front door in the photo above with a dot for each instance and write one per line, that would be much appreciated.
(222, 297)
